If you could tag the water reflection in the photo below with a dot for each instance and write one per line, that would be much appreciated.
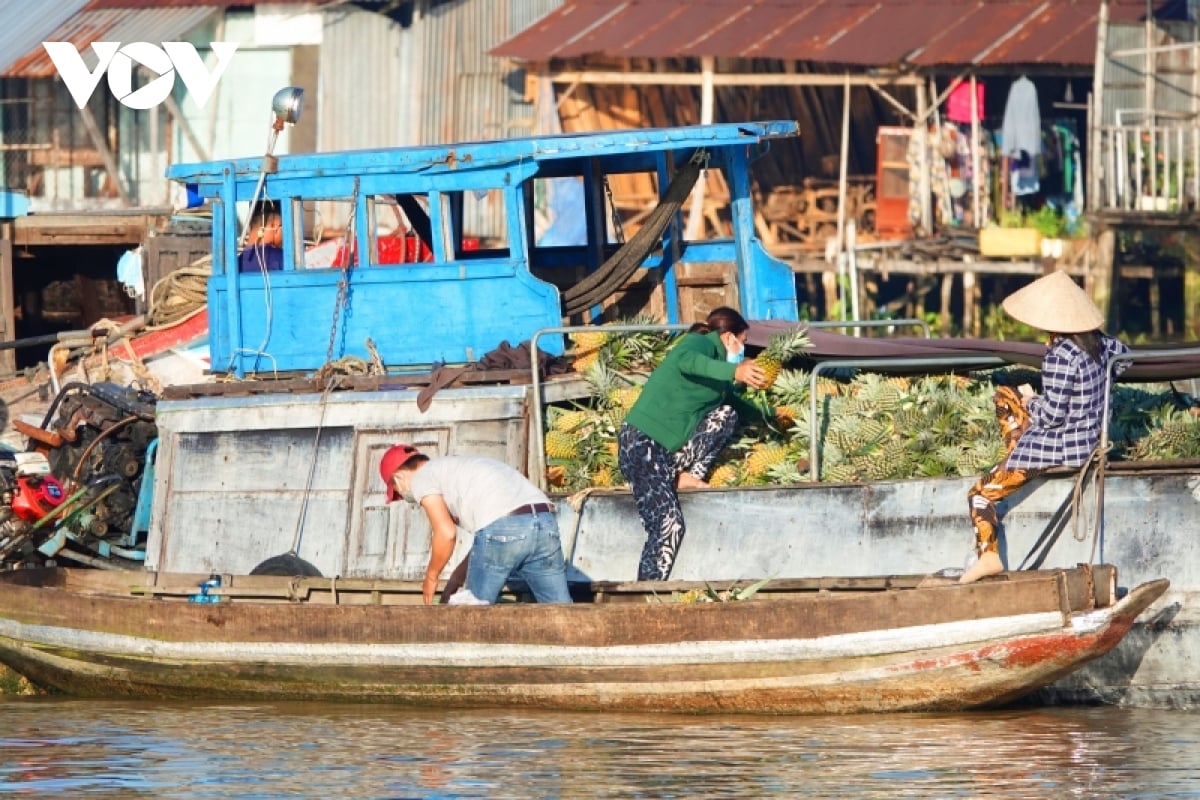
(57, 748)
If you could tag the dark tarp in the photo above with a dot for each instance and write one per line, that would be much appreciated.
(836, 346)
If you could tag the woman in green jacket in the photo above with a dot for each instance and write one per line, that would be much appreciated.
(687, 411)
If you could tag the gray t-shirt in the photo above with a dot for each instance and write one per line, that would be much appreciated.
(477, 490)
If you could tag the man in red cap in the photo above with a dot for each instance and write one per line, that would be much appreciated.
(516, 531)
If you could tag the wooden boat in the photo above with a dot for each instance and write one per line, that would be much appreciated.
(836, 645)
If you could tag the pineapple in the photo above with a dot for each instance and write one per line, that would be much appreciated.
(763, 458)
(587, 348)
(624, 398)
(724, 475)
(786, 415)
(781, 349)
(828, 387)
(584, 361)
(568, 421)
(561, 446)
(615, 392)
(603, 476)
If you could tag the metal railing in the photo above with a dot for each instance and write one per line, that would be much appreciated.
(538, 422)
(872, 323)
(1131, 356)
(1149, 167)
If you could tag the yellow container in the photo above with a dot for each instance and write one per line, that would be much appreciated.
(1010, 242)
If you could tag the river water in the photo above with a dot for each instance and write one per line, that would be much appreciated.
(51, 747)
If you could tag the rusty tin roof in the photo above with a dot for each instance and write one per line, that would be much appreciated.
(864, 33)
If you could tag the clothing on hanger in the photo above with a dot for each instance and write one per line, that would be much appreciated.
(1022, 128)
(958, 104)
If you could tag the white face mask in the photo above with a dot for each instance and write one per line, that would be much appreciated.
(735, 357)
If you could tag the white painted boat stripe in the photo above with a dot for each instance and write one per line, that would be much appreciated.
(880, 642)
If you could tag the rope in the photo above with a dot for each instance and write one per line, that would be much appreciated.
(145, 378)
(346, 365)
(312, 468)
(1071, 508)
(614, 272)
(179, 295)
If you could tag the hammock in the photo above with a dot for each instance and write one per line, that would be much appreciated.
(618, 269)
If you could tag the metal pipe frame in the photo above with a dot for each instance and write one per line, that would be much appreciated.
(872, 323)
(1131, 356)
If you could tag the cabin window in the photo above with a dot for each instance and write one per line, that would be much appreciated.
(559, 212)
(400, 226)
(326, 228)
(478, 223)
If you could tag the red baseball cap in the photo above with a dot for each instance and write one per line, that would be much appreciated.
(392, 460)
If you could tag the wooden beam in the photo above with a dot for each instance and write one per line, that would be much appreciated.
(110, 163)
(177, 113)
(729, 79)
(695, 217)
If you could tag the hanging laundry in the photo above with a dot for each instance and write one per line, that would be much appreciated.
(1022, 128)
(129, 273)
(958, 104)
(1024, 175)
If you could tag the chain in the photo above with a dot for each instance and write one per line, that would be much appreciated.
(343, 291)
(618, 229)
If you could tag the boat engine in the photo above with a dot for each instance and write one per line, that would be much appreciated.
(28, 494)
(95, 437)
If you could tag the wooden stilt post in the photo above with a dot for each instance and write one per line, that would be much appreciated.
(947, 287)
(695, 218)
(970, 312)
(1191, 284)
(842, 173)
(1106, 278)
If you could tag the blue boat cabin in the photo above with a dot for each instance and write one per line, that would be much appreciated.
(439, 294)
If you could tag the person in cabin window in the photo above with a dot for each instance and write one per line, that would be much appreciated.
(686, 413)
(1059, 427)
(264, 245)
(515, 528)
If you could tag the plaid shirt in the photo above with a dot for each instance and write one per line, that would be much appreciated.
(1066, 419)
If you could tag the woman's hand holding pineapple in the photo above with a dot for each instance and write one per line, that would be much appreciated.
(751, 374)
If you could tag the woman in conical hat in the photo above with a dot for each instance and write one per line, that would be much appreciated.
(1059, 427)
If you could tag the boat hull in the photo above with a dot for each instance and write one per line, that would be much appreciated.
(945, 648)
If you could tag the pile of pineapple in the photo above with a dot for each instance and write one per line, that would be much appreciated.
(870, 427)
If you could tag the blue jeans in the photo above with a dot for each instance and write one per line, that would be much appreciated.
(525, 546)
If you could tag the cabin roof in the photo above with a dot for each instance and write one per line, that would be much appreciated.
(623, 150)
(863, 33)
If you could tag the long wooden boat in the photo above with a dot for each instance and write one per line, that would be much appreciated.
(838, 645)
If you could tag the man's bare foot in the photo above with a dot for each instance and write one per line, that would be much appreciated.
(687, 480)
(987, 564)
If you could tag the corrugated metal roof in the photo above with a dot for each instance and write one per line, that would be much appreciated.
(28, 23)
(112, 25)
(97, 5)
(851, 32)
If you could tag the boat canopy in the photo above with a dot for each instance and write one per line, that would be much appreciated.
(409, 282)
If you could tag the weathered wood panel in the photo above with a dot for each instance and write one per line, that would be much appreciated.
(241, 479)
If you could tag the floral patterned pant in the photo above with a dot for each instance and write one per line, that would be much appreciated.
(651, 470)
(999, 482)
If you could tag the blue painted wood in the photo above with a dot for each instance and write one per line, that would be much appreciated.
(13, 204)
(463, 304)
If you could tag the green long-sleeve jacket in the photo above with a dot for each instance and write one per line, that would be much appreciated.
(691, 381)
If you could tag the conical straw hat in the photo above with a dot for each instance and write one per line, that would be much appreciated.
(1055, 304)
